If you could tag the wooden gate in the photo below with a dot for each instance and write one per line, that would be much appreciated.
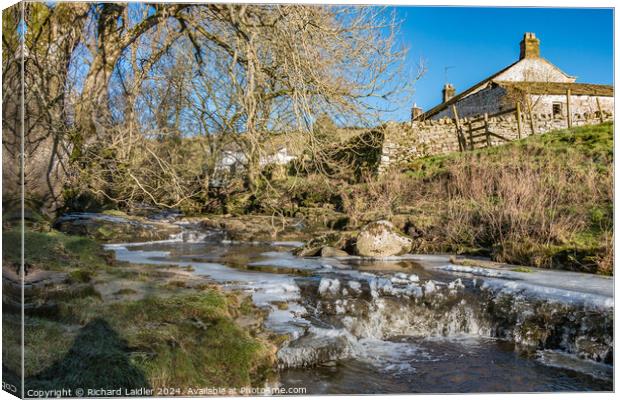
(476, 134)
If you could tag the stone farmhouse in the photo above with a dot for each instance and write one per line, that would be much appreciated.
(531, 96)
(532, 81)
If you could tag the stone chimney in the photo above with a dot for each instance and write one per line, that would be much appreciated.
(530, 46)
(448, 92)
(416, 112)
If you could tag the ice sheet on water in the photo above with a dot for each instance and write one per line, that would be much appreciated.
(394, 286)
(288, 262)
(280, 287)
(288, 244)
(380, 286)
(137, 256)
(456, 284)
(258, 242)
(430, 258)
(400, 278)
(289, 321)
(355, 286)
(560, 286)
(479, 271)
(560, 359)
(93, 216)
(559, 295)
(266, 288)
(429, 287)
(116, 246)
(278, 254)
(191, 236)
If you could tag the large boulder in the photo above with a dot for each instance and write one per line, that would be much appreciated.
(381, 239)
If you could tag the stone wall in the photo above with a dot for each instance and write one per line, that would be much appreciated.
(407, 141)
(579, 104)
(494, 99)
(489, 100)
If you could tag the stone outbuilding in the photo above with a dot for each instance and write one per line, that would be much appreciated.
(536, 84)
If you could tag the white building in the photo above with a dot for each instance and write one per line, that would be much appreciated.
(532, 81)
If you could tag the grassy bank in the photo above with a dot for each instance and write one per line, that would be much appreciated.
(134, 327)
(544, 201)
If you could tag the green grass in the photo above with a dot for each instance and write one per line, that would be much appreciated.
(188, 340)
(193, 339)
(522, 269)
(52, 250)
(116, 213)
(45, 342)
(564, 161)
(80, 276)
(594, 142)
(125, 291)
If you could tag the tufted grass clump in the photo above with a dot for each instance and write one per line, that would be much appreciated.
(52, 250)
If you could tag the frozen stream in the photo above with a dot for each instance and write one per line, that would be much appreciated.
(411, 324)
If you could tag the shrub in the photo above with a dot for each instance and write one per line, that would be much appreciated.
(80, 275)
(375, 198)
(314, 191)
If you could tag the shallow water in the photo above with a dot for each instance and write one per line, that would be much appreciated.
(341, 360)
(440, 366)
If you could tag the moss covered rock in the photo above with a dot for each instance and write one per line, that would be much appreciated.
(114, 228)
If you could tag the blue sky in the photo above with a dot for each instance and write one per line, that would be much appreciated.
(478, 41)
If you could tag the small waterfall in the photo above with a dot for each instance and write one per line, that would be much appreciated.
(195, 236)
(379, 308)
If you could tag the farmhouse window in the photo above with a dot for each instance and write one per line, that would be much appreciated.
(557, 110)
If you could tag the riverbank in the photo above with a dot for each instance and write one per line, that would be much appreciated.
(545, 201)
(93, 322)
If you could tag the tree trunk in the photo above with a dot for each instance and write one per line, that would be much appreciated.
(253, 171)
(51, 37)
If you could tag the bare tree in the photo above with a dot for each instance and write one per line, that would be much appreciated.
(159, 86)
(289, 64)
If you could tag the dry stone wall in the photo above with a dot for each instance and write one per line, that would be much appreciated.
(403, 142)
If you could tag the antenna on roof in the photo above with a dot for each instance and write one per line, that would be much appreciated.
(445, 71)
